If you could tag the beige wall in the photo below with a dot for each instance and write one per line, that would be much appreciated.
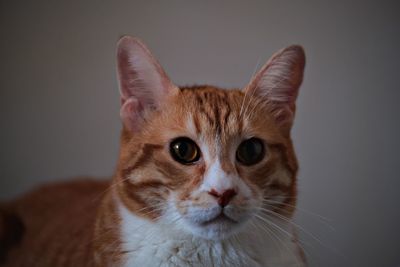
(59, 99)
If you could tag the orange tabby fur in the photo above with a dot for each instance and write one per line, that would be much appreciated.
(77, 223)
(58, 224)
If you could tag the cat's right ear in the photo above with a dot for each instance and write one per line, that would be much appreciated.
(143, 84)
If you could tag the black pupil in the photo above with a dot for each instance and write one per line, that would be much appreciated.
(184, 150)
(250, 151)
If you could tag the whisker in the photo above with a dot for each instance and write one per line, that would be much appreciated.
(268, 201)
(265, 229)
(316, 239)
(111, 186)
(277, 236)
(249, 102)
(302, 243)
(245, 93)
(291, 222)
(272, 223)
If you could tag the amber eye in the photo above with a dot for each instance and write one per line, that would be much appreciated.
(250, 151)
(184, 150)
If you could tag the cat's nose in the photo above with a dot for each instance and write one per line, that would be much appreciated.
(223, 198)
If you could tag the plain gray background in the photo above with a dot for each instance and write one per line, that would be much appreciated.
(59, 101)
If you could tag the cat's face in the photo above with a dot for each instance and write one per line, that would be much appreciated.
(204, 160)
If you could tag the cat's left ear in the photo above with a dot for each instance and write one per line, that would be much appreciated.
(143, 84)
(277, 84)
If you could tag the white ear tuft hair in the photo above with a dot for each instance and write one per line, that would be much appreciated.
(143, 83)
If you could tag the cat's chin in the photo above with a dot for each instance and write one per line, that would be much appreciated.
(217, 228)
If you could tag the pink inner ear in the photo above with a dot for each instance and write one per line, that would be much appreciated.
(125, 75)
(140, 75)
(131, 114)
(283, 115)
(143, 83)
(278, 82)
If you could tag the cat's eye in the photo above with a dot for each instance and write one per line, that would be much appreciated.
(250, 151)
(184, 150)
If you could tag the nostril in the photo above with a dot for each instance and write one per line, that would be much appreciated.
(214, 193)
(225, 197)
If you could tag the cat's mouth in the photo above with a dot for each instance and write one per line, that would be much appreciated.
(219, 219)
(214, 223)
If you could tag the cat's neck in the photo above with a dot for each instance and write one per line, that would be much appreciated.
(125, 239)
(107, 237)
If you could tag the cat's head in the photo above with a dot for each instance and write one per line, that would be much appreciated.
(204, 160)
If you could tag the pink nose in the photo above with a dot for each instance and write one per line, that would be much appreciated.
(224, 198)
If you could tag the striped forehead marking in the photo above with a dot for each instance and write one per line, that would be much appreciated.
(214, 109)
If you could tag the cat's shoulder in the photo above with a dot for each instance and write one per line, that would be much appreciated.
(48, 218)
(56, 192)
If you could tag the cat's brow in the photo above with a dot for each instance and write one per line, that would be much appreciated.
(215, 106)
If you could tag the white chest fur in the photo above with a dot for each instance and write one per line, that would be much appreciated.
(151, 244)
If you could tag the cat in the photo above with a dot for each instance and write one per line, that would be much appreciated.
(205, 177)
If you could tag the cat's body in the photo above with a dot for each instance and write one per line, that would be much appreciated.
(58, 224)
(205, 177)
